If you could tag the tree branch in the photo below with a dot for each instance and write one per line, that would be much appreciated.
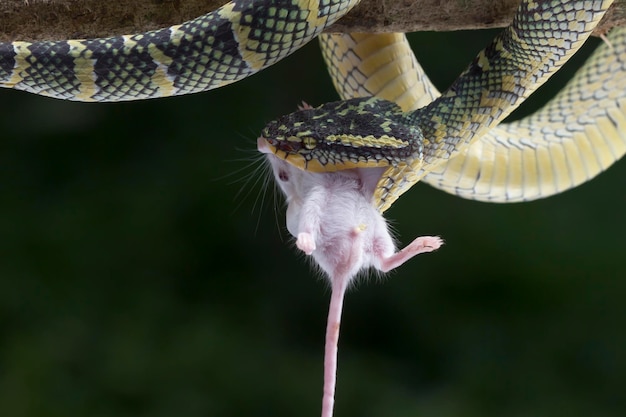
(71, 19)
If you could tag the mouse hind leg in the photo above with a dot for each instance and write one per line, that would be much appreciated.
(423, 244)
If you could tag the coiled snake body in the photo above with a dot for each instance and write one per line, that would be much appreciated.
(243, 37)
(573, 138)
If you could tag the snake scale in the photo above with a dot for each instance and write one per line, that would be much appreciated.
(515, 162)
(213, 50)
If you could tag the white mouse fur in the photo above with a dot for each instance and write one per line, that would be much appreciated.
(333, 218)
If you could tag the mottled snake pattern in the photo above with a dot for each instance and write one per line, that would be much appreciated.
(245, 36)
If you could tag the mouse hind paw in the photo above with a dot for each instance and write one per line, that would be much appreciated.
(422, 244)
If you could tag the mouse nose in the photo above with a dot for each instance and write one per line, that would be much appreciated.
(262, 145)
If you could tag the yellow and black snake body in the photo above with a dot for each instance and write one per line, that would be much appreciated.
(574, 137)
(213, 50)
(541, 38)
(245, 36)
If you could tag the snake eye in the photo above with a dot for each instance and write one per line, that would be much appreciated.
(282, 175)
(289, 147)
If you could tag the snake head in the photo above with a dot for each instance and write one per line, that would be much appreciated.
(356, 133)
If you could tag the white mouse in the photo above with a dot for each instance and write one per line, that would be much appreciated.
(334, 219)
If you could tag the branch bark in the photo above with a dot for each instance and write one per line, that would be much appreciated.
(71, 19)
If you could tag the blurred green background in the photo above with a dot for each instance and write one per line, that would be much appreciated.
(141, 275)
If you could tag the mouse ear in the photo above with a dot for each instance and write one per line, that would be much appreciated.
(304, 106)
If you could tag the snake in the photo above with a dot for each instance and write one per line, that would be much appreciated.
(437, 142)
(373, 132)
(211, 51)
(573, 138)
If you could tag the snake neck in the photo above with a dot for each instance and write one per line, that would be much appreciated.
(522, 57)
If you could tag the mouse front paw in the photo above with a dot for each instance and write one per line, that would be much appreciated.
(305, 243)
